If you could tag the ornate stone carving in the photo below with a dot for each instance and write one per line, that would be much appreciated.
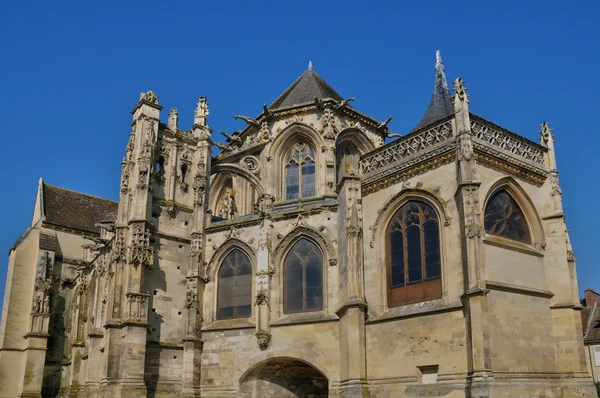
(172, 210)
(140, 250)
(149, 97)
(251, 163)
(265, 132)
(472, 214)
(460, 91)
(263, 339)
(117, 252)
(191, 299)
(329, 126)
(125, 175)
(262, 297)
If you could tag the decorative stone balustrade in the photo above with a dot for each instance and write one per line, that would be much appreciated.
(506, 142)
(405, 151)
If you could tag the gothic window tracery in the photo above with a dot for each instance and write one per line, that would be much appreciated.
(413, 255)
(504, 218)
(303, 278)
(234, 299)
(300, 172)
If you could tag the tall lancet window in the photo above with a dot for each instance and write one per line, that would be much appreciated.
(504, 218)
(300, 172)
(413, 255)
(303, 278)
(234, 290)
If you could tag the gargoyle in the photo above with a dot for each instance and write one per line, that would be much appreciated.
(110, 227)
(342, 104)
(383, 125)
(249, 120)
(268, 114)
(233, 139)
(224, 147)
(392, 135)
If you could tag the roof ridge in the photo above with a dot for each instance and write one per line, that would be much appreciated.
(80, 193)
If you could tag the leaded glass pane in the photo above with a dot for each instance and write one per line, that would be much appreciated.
(234, 297)
(413, 257)
(300, 172)
(504, 218)
(303, 278)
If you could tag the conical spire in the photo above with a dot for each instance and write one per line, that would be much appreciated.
(440, 105)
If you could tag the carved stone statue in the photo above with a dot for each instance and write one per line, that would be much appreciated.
(47, 305)
(37, 303)
(201, 112)
(173, 119)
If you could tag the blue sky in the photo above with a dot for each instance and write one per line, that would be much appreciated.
(70, 72)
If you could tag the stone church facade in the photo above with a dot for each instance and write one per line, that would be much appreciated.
(307, 258)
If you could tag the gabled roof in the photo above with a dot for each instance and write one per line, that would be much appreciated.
(75, 210)
(440, 105)
(304, 90)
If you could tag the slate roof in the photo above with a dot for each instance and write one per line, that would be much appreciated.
(590, 317)
(304, 90)
(440, 105)
(76, 210)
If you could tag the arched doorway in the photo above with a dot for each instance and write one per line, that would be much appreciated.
(284, 378)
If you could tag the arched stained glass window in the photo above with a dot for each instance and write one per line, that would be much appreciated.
(413, 255)
(303, 278)
(300, 172)
(504, 218)
(234, 290)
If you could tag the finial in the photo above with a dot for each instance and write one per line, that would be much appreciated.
(546, 133)
(438, 57)
(309, 65)
(460, 91)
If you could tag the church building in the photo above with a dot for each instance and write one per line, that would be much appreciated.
(306, 259)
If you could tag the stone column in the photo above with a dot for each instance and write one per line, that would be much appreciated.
(262, 302)
(197, 276)
(467, 198)
(353, 366)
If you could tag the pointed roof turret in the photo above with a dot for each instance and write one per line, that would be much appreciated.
(440, 105)
(304, 90)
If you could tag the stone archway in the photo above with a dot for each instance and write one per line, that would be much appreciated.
(284, 378)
